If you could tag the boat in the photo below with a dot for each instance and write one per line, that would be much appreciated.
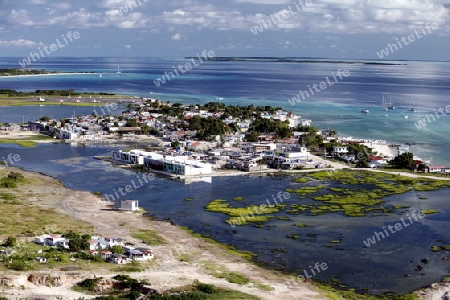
(411, 108)
(118, 70)
(406, 117)
(100, 75)
(390, 106)
(384, 104)
(365, 111)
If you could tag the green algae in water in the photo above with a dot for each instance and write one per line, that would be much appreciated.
(301, 180)
(306, 190)
(358, 202)
(429, 211)
(242, 215)
(293, 236)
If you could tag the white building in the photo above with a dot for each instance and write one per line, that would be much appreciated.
(53, 240)
(180, 165)
(340, 149)
(129, 205)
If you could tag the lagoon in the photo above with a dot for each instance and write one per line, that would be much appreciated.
(379, 268)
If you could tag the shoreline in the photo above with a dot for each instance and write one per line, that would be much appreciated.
(51, 74)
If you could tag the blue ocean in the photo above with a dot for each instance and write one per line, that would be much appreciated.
(424, 86)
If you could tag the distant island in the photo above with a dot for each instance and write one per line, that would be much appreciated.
(296, 60)
(5, 93)
(28, 72)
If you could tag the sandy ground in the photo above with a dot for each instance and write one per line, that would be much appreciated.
(18, 134)
(168, 271)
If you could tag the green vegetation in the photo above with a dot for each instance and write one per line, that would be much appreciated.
(220, 272)
(293, 236)
(77, 242)
(14, 93)
(404, 161)
(252, 213)
(301, 180)
(304, 191)
(299, 225)
(233, 277)
(21, 143)
(429, 211)
(28, 217)
(89, 284)
(208, 127)
(133, 266)
(10, 242)
(228, 248)
(189, 199)
(149, 237)
(128, 288)
(238, 198)
(336, 294)
(28, 142)
(11, 180)
(361, 192)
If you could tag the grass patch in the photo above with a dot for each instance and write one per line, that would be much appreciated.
(133, 266)
(262, 286)
(335, 294)
(28, 217)
(233, 277)
(149, 237)
(220, 272)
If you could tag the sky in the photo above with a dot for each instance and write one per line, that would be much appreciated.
(346, 29)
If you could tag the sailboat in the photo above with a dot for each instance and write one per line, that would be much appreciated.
(118, 69)
(384, 104)
(390, 104)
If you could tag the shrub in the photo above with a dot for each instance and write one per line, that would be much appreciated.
(19, 265)
(10, 242)
(89, 283)
(205, 288)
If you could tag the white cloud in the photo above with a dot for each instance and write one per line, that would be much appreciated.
(20, 43)
(176, 36)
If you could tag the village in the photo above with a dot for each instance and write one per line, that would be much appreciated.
(84, 246)
(196, 140)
